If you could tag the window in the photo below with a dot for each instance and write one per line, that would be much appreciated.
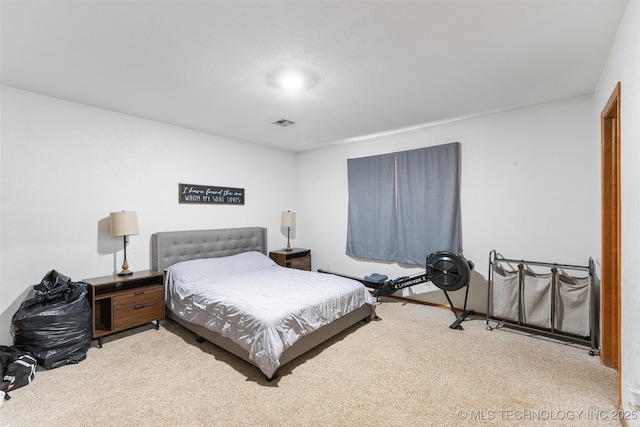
(404, 206)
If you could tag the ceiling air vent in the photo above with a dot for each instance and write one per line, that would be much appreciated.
(283, 122)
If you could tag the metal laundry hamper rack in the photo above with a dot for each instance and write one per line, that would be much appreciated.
(517, 319)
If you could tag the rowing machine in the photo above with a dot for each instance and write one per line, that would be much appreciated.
(447, 270)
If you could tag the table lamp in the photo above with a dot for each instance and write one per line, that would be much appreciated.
(289, 221)
(124, 224)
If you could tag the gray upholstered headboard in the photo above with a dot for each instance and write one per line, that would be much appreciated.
(170, 247)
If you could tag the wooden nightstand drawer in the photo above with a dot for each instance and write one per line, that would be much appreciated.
(300, 263)
(137, 315)
(295, 258)
(138, 297)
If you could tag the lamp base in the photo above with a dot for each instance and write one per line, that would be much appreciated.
(125, 268)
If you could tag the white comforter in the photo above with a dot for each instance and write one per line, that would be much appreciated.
(259, 305)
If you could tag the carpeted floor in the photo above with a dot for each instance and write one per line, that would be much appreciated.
(408, 369)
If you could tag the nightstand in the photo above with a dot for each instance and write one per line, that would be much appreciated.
(122, 302)
(295, 258)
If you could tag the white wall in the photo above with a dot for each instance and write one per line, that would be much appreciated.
(65, 166)
(623, 66)
(529, 183)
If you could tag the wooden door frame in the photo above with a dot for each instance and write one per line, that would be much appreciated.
(611, 250)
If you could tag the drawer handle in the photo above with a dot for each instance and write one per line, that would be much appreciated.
(140, 306)
(138, 292)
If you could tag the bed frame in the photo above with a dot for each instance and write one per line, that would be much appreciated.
(172, 247)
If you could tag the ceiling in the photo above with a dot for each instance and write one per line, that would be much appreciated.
(377, 67)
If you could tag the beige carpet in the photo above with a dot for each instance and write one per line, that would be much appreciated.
(408, 369)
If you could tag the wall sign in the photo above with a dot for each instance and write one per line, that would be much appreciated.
(209, 194)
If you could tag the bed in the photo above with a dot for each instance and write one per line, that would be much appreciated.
(221, 285)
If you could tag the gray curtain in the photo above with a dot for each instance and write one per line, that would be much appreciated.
(371, 229)
(428, 202)
(404, 206)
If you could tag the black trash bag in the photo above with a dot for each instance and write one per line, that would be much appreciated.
(53, 286)
(17, 369)
(55, 325)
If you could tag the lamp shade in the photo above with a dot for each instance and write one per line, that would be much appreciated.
(123, 223)
(288, 219)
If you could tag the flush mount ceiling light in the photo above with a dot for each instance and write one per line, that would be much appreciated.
(292, 79)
